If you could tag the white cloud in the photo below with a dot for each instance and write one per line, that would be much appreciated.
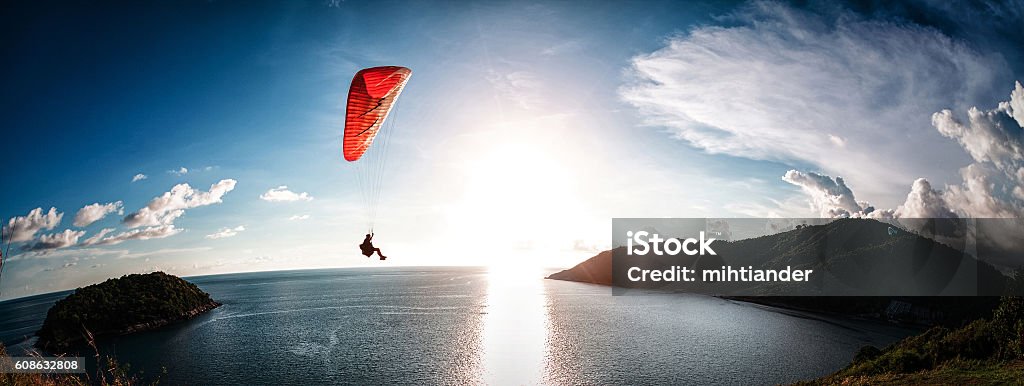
(924, 202)
(992, 184)
(95, 239)
(299, 217)
(282, 194)
(59, 240)
(564, 47)
(520, 87)
(988, 136)
(24, 228)
(990, 187)
(156, 232)
(770, 208)
(179, 172)
(66, 265)
(139, 177)
(848, 95)
(226, 232)
(837, 140)
(831, 197)
(165, 209)
(1015, 106)
(95, 212)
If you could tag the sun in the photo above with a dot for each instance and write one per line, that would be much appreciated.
(517, 202)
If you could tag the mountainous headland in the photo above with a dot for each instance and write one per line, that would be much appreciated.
(131, 303)
(595, 270)
(859, 258)
(977, 339)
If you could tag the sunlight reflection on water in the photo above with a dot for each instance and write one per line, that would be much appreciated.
(515, 328)
(470, 326)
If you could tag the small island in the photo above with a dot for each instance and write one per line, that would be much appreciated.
(128, 304)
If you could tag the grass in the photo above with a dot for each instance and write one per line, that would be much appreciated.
(960, 373)
(110, 373)
(983, 352)
(20, 379)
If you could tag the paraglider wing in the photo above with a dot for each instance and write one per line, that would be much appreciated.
(370, 98)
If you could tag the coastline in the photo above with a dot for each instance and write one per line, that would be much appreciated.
(139, 327)
(152, 325)
(294, 321)
(775, 305)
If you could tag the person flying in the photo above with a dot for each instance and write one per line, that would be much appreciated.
(368, 248)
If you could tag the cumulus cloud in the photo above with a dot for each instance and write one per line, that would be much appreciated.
(24, 228)
(924, 202)
(995, 140)
(95, 212)
(990, 187)
(165, 209)
(139, 177)
(63, 239)
(226, 232)
(989, 136)
(179, 172)
(299, 217)
(156, 232)
(282, 194)
(786, 84)
(831, 197)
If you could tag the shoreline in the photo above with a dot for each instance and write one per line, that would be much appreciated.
(780, 306)
(79, 342)
(152, 325)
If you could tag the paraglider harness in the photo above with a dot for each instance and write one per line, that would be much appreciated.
(367, 246)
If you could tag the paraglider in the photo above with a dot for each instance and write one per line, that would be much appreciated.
(373, 93)
(371, 98)
(368, 248)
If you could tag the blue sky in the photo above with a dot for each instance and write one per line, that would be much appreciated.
(525, 128)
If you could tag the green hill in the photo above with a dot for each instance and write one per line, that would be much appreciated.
(986, 351)
(128, 304)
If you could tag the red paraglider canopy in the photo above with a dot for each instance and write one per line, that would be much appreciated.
(373, 93)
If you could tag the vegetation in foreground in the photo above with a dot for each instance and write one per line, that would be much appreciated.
(986, 351)
(109, 373)
(128, 304)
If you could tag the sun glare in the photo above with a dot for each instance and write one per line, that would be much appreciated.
(516, 204)
(515, 327)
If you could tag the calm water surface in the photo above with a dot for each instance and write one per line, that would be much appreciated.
(469, 326)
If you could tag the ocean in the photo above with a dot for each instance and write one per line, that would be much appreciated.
(468, 325)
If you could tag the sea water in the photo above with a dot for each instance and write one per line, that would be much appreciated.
(444, 325)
